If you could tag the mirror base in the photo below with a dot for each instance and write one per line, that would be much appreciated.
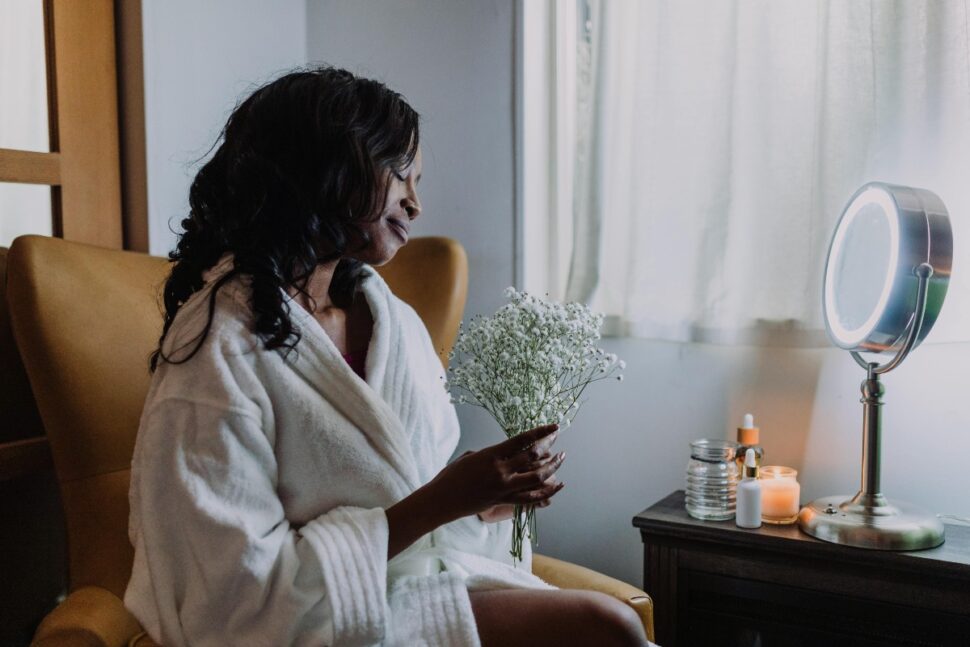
(887, 526)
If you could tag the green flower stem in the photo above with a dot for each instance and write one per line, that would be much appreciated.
(523, 523)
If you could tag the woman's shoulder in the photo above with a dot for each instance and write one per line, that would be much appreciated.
(211, 352)
(216, 315)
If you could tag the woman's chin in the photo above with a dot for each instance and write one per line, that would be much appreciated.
(379, 256)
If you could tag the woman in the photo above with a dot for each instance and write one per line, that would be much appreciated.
(289, 482)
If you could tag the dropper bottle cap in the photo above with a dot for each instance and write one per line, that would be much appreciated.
(747, 432)
(750, 464)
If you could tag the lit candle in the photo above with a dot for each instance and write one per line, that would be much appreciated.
(779, 494)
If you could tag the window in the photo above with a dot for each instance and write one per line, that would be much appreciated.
(60, 169)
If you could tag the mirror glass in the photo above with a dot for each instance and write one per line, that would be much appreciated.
(862, 266)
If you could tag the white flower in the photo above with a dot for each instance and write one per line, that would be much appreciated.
(527, 365)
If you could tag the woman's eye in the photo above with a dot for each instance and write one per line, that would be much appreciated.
(399, 176)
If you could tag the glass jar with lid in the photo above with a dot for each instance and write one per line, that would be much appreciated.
(712, 480)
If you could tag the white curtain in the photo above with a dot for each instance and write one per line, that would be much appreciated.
(716, 144)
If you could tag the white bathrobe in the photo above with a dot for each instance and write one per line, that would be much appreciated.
(259, 484)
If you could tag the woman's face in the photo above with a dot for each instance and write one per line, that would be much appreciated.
(391, 230)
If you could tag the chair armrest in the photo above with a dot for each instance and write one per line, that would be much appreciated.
(572, 576)
(89, 617)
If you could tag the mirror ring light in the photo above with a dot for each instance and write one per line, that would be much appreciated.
(919, 232)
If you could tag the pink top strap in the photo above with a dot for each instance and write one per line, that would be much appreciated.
(357, 362)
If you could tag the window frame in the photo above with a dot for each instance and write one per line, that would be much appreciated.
(83, 167)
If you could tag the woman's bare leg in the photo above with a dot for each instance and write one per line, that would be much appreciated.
(534, 618)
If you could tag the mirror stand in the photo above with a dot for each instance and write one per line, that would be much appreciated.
(869, 519)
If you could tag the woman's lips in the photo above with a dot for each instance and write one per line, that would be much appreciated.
(400, 228)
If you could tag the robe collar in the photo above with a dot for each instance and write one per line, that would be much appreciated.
(374, 406)
(367, 404)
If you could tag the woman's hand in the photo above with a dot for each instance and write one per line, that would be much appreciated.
(503, 511)
(497, 513)
(491, 481)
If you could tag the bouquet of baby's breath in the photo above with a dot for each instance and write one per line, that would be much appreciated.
(528, 365)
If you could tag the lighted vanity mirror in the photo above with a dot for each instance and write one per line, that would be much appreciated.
(885, 280)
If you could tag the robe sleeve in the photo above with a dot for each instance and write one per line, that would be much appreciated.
(217, 563)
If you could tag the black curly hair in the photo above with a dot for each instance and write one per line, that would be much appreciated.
(302, 162)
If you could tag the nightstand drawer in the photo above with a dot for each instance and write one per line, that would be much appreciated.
(727, 611)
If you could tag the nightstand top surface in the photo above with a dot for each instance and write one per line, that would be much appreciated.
(668, 519)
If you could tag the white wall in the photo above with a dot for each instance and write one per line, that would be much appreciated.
(199, 59)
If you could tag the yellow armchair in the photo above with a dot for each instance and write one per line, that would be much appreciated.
(85, 321)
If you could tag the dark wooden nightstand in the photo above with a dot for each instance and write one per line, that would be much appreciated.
(716, 584)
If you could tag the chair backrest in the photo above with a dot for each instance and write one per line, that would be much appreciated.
(86, 319)
(21, 420)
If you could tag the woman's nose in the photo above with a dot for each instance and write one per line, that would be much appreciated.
(412, 205)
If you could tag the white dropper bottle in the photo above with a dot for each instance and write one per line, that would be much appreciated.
(748, 513)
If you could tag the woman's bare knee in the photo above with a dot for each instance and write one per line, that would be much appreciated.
(562, 618)
(619, 623)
